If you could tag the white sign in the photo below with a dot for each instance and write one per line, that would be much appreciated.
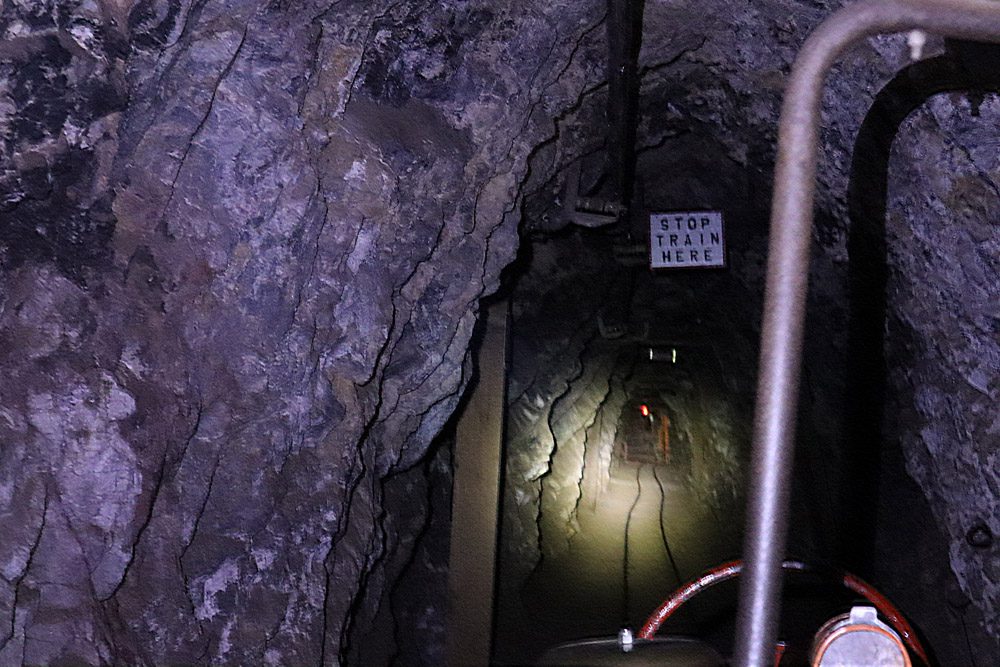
(686, 239)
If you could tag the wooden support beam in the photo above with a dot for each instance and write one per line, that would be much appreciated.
(476, 500)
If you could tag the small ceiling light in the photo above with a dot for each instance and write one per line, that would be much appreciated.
(673, 355)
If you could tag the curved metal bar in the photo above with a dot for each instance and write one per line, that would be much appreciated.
(785, 291)
(716, 575)
(733, 569)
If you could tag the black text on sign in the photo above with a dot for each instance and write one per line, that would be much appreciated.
(686, 240)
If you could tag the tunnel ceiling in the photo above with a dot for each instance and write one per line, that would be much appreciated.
(242, 247)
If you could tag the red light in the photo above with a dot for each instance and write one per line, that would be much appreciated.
(644, 410)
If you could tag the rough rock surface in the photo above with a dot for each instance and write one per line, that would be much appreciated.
(944, 332)
(241, 250)
(243, 245)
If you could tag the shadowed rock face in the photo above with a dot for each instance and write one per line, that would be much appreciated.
(242, 246)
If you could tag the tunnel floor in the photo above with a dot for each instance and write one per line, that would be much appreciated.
(585, 592)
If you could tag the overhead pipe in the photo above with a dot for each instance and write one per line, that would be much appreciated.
(785, 291)
(624, 30)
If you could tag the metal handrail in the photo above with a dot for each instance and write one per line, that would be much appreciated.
(785, 291)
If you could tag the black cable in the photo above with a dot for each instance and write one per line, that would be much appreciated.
(628, 521)
(663, 532)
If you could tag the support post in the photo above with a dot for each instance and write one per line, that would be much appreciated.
(475, 500)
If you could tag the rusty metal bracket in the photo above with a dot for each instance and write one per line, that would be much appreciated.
(785, 291)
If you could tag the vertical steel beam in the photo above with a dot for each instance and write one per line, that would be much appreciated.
(785, 291)
(475, 500)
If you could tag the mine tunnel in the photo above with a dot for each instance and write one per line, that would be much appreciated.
(402, 333)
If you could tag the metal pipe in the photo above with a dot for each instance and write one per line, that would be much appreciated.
(785, 291)
(734, 568)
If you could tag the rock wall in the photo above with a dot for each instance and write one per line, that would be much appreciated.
(572, 416)
(944, 265)
(243, 245)
(546, 425)
(405, 624)
(711, 83)
(942, 358)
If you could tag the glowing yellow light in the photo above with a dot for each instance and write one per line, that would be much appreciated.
(644, 410)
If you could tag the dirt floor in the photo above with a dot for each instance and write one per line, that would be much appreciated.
(593, 590)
